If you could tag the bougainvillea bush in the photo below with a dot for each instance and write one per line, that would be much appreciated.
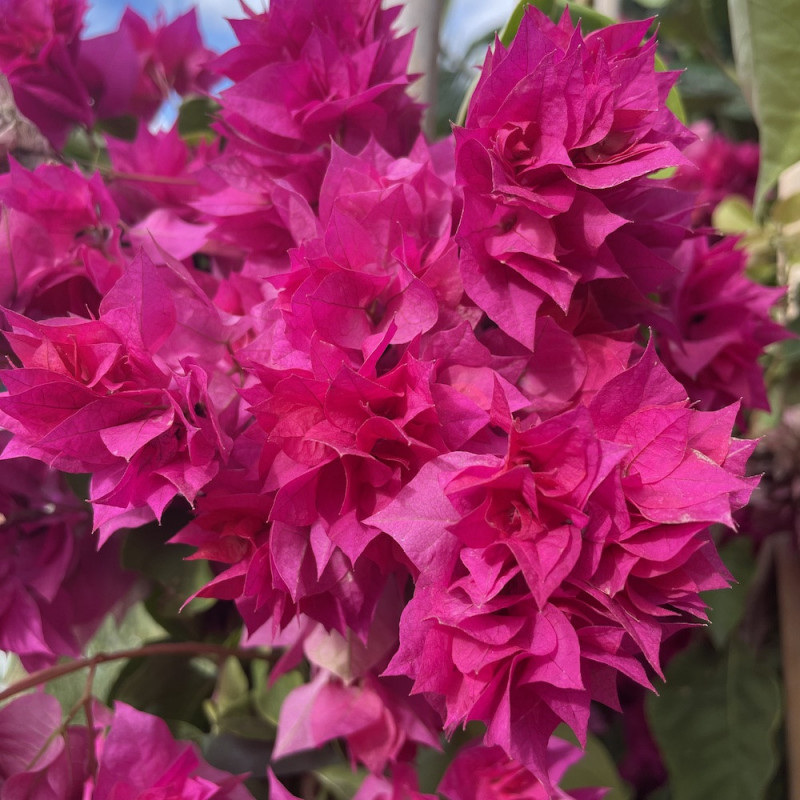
(427, 437)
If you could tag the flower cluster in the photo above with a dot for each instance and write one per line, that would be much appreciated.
(486, 773)
(450, 420)
(126, 753)
(60, 80)
(720, 167)
(56, 586)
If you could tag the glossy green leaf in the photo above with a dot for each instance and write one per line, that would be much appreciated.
(726, 606)
(269, 698)
(232, 688)
(146, 551)
(734, 215)
(765, 37)
(596, 769)
(340, 781)
(123, 127)
(136, 629)
(716, 722)
(195, 117)
(173, 687)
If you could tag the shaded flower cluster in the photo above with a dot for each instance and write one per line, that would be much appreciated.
(486, 773)
(126, 753)
(56, 587)
(723, 326)
(720, 167)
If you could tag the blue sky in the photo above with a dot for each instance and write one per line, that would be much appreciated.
(466, 21)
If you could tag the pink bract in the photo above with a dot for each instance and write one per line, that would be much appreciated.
(123, 405)
(61, 248)
(135, 756)
(720, 167)
(56, 586)
(340, 73)
(486, 773)
(724, 324)
(544, 573)
(149, 63)
(39, 48)
(140, 759)
(559, 131)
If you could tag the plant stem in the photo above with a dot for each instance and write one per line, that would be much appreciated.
(48, 674)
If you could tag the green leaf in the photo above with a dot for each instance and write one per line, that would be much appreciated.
(173, 687)
(765, 36)
(340, 780)
(195, 117)
(269, 699)
(231, 709)
(232, 689)
(177, 579)
(674, 101)
(726, 606)
(122, 127)
(245, 726)
(596, 769)
(716, 722)
(786, 210)
(136, 629)
(734, 215)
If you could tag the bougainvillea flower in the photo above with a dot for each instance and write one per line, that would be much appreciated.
(60, 246)
(336, 450)
(401, 786)
(723, 325)
(135, 756)
(148, 65)
(39, 758)
(720, 167)
(544, 573)
(27, 26)
(374, 716)
(341, 77)
(156, 171)
(556, 126)
(139, 759)
(56, 586)
(339, 73)
(49, 92)
(38, 52)
(123, 405)
(487, 773)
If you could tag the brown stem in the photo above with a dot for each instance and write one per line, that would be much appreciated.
(787, 561)
(157, 649)
(147, 178)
